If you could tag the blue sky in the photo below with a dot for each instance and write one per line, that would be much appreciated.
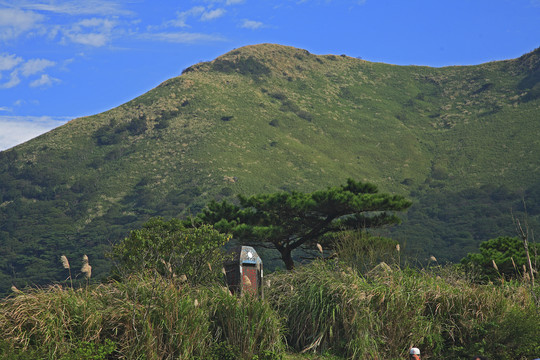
(62, 59)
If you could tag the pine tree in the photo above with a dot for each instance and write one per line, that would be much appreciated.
(288, 220)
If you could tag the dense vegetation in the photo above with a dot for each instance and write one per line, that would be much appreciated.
(337, 308)
(504, 257)
(460, 142)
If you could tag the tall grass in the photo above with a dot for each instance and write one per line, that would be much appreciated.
(143, 317)
(158, 319)
(381, 314)
(324, 307)
(363, 251)
(247, 324)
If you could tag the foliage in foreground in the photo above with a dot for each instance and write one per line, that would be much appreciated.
(346, 306)
(329, 307)
(324, 308)
(140, 318)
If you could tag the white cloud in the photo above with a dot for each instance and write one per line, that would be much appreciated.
(35, 66)
(198, 11)
(227, 2)
(251, 24)
(20, 16)
(96, 22)
(212, 14)
(72, 7)
(14, 80)
(26, 69)
(14, 22)
(44, 80)
(182, 17)
(15, 130)
(94, 32)
(182, 37)
(9, 61)
(92, 39)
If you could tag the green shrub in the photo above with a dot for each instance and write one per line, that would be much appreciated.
(173, 251)
(278, 96)
(163, 123)
(91, 351)
(224, 351)
(137, 126)
(245, 66)
(304, 115)
(503, 257)
(274, 123)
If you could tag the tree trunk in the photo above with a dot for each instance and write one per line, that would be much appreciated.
(286, 256)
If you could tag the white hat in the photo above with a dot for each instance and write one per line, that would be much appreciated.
(414, 351)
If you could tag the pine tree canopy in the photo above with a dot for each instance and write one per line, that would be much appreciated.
(288, 220)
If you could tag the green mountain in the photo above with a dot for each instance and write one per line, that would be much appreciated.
(462, 142)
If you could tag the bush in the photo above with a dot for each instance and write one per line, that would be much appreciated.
(244, 66)
(91, 351)
(173, 251)
(325, 307)
(304, 115)
(274, 122)
(137, 126)
(503, 257)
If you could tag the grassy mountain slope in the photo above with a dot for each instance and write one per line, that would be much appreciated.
(266, 118)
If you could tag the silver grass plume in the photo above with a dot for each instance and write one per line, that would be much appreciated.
(65, 262)
(86, 268)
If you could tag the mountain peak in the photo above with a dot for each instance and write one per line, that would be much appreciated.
(530, 61)
(265, 59)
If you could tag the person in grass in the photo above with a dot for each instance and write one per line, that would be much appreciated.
(414, 354)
